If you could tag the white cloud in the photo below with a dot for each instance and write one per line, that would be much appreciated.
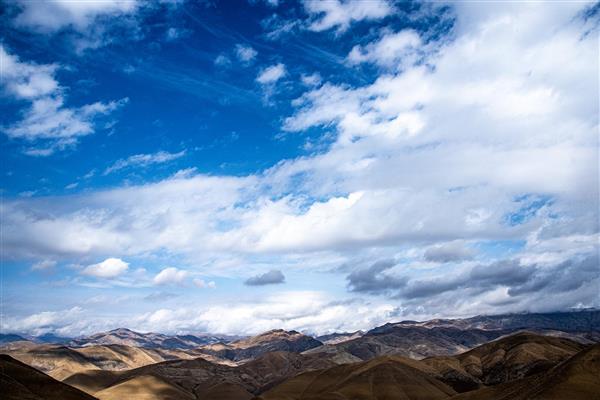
(245, 53)
(43, 265)
(202, 284)
(336, 13)
(143, 160)
(400, 49)
(222, 60)
(424, 155)
(109, 268)
(170, 276)
(312, 79)
(47, 122)
(271, 74)
(307, 311)
(53, 15)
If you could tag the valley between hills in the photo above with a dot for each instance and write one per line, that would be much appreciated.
(513, 356)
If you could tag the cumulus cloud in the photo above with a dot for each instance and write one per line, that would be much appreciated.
(454, 148)
(171, 276)
(143, 160)
(373, 279)
(47, 123)
(268, 278)
(109, 268)
(271, 74)
(341, 14)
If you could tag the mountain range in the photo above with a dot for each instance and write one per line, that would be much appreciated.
(497, 357)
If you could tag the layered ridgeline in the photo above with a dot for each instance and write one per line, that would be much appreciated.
(481, 356)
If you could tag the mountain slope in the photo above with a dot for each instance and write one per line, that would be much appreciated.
(19, 381)
(61, 361)
(503, 360)
(199, 376)
(250, 348)
(411, 341)
(390, 378)
(144, 387)
(573, 379)
(150, 340)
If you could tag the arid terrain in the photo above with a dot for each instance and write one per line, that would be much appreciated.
(525, 356)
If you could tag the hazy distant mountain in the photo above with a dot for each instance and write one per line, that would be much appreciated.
(573, 321)
(250, 348)
(128, 337)
(9, 338)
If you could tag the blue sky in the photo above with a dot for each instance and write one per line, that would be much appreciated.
(232, 167)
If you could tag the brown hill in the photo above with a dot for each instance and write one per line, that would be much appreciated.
(573, 379)
(61, 361)
(250, 348)
(200, 377)
(388, 377)
(411, 341)
(507, 359)
(19, 381)
(144, 387)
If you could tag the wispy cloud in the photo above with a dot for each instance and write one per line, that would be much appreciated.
(245, 53)
(143, 160)
(47, 123)
(271, 74)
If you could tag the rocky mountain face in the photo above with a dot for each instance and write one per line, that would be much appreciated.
(335, 338)
(275, 340)
(411, 341)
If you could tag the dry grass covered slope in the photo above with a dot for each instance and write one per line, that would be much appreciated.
(382, 378)
(577, 378)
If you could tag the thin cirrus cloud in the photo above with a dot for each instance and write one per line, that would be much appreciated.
(143, 160)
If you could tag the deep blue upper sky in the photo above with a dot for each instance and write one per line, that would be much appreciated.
(316, 165)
